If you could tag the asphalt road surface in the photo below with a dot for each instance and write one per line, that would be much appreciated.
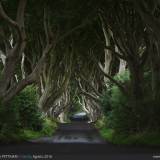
(76, 141)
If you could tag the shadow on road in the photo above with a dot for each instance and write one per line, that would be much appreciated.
(76, 132)
(78, 141)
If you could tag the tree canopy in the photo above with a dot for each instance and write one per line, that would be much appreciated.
(73, 50)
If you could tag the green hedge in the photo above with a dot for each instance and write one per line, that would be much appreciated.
(120, 113)
(22, 119)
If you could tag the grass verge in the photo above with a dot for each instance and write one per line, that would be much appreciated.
(49, 127)
(146, 138)
(138, 139)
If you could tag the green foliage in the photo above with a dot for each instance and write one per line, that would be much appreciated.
(107, 134)
(123, 76)
(9, 119)
(101, 123)
(26, 107)
(29, 115)
(126, 123)
(22, 120)
(76, 106)
(143, 138)
(49, 127)
(113, 96)
(121, 113)
(115, 106)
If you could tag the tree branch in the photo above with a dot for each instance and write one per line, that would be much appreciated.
(114, 81)
(90, 85)
(115, 53)
(11, 22)
(86, 93)
(18, 87)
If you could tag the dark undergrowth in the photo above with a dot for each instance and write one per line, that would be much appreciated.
(125, 123)
(22, 120)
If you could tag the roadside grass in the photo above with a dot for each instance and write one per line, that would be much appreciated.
(138, 139)
(146, 138)
(49, 127)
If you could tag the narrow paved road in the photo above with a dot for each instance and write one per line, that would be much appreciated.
(77, 141)
(76, 132)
